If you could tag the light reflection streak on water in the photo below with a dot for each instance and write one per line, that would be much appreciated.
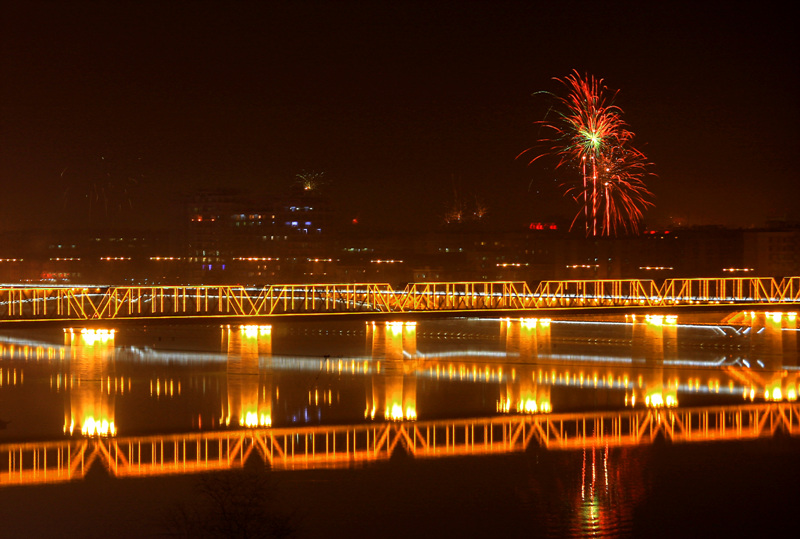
(249, 388)
(312, 364)
(422, 363)
(89, 407)
(367, 365)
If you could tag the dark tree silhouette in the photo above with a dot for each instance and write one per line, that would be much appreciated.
(236, 504)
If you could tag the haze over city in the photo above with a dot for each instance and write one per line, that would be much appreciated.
(399, 104)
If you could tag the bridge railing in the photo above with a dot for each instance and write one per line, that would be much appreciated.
(447, 296)
(724, 290)
(790, 289)
(596, 293)
(107, 303)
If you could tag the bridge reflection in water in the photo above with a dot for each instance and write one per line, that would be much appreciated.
(354, 445)
(392, 373)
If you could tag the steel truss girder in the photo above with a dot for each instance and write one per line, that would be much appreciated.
(137, 302)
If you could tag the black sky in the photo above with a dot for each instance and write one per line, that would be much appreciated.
(396, 102)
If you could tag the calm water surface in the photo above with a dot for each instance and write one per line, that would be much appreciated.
(389, 429)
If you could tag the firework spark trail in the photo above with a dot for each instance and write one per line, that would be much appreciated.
(622, 193)
(589, 133)
(310, 181)
(99, 189)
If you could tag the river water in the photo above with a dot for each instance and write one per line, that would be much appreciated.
(77, 405)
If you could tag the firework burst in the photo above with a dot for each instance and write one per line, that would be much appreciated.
(99, 189)
(310, 181)
(588, 134)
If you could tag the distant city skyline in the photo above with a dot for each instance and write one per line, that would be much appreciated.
(132, 106)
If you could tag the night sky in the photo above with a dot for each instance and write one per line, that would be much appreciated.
(398, 103)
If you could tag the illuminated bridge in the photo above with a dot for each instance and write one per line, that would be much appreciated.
(343, 446)
(29, 304)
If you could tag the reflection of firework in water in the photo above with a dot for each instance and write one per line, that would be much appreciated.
(588, 133)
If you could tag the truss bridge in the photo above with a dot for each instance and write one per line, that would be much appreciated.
(110, 303)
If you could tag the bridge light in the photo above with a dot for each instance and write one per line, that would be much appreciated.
(396, 327)
(92, 336)
(92, 427)
(503, 405)
(527, 406)
(545, 407)
(656, 400)
(249, 420)
(528, 322)
(395, 413)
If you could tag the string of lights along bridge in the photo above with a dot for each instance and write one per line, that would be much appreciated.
(139, 302)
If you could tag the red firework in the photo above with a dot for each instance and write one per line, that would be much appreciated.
(589, 134)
